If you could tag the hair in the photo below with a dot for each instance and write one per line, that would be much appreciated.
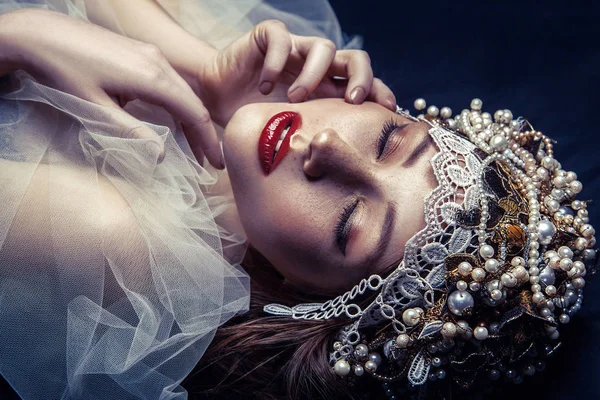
(260, 356)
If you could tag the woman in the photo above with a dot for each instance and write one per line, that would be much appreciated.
(341, 166)
(119, 326)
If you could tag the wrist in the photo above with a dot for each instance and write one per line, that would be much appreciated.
(13, 55)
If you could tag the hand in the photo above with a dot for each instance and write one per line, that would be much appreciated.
(107, 69)
(270, 64)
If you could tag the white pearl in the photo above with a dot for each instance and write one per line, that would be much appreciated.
(587, 231)
(508, 280)
(480, 333)
(517, 261)
(370, 366)
(464, 268)
(578, 283)
(478, 274)
(411, 317)
(476, 104)
(486, 251)
(550, 290)
(460, 303)
(498, 142)
(359, 370)
(420, 104)
(491, 265)
(576, 186)
(462, 285)
(496, 294)
(433, 111)
(445, 112)
(538, 297)
(449, 329)
(342, 368)
(566, 264)
(362, 350)
(376, 358)
(403, 340)
(565, 252)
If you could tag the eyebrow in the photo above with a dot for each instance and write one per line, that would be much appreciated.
(386, 234)
(418, 151)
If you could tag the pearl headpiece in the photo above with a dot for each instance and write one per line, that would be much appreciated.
(484, 286)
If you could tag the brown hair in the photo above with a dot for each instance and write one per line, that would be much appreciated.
(259, 356)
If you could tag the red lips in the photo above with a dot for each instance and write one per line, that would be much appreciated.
(267, 155)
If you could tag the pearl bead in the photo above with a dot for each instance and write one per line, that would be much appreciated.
(476, 104)
(342, 368)
(564, 319)
(420, 104)
(578, 283)
(460, 303)
(462, 285)
(370, 366)
(498, 142)
(517, 261)
(546, 230)
(436, 361)
(565, 252)
(550, 290)
(359, 370)
(464, 329)
(587, 231)
(474, 286)
(480, 333)
(411, 317)
(376, 358)
(464, 268)
(362, 350)
(496, 294)
(445, 112)
(478, 274)
(566, 264)
(403, 340)
(508, 280)
(449, 329)
(491, 265)
(486, 251)
(433, 111)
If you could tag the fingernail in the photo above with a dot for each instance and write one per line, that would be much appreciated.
(391, 102)
(297, 95)
(357, 95)
(265, 87)
(222, 158)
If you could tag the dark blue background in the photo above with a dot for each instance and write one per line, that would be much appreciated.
(539, 59)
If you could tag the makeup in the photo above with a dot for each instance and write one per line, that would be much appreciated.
(274, 141)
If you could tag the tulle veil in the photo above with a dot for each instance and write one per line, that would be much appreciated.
(115, 270)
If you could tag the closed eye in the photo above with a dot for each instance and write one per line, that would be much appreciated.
(389, 129)
(343, 227)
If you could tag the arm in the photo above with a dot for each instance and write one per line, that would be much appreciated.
(57, 51)
(147, 21)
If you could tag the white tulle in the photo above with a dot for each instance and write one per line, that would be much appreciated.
(115, 269)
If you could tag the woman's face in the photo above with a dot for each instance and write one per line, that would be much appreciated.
(343, 200)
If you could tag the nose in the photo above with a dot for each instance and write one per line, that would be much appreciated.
(330, 155)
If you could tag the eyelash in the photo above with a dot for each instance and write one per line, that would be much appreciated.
(388, 128)
(340, 229)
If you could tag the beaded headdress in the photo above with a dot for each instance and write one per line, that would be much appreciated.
(484, 286)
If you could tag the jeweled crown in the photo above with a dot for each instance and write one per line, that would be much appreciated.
(485, 285)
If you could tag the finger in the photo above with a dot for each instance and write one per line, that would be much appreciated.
(356, 66)
(128, 127)
(273, 38)
(331, 88)
(382, 94)
(167, 89)
(319, 55)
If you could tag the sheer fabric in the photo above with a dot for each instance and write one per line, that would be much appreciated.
(116, 269)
